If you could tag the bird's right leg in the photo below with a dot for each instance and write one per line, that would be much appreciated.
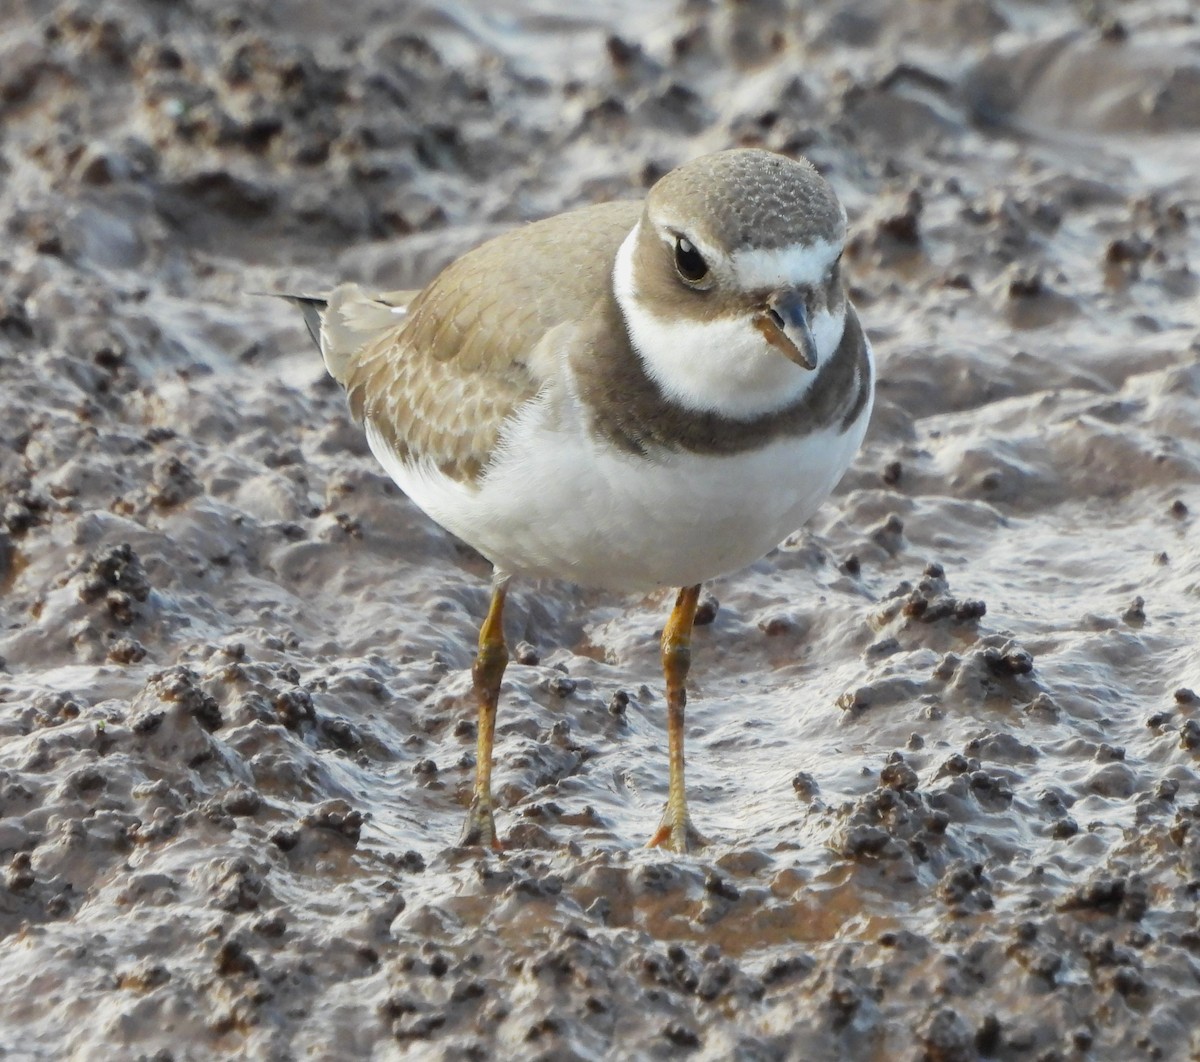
(487, 673)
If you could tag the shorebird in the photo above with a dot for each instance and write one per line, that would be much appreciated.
(627, 396)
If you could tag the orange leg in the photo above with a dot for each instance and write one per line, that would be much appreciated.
(676, 830)
(487, 673)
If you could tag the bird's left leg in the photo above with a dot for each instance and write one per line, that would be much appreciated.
(676, 830)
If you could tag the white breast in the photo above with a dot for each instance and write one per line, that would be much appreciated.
(560, 504)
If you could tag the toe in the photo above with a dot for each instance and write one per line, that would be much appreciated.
(480, 830)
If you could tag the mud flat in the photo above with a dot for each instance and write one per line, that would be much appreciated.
(945, 738)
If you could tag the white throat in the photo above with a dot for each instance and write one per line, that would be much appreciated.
(724, 366)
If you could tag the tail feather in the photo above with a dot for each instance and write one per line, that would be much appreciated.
(344, 321)
(312, 306)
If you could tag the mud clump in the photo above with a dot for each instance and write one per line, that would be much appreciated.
(180, 687)
(117, 577)
(931, 601)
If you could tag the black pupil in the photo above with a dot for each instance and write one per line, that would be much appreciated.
(690, 262)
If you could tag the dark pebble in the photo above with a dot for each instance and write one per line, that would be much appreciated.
(561, 686)
(786, 968)
(1189, 735)
(526, 654)
(774, 626)
(126, 651)
(706, 611)
(805, 785)
(1064, 828)
(294, 708)
(1008, 661)
(898, 775)
(241, 800)
(719, 886)
(864, 840)
(1103, 894)
(1135, 613)
(946, 1038)
(681, 1036)
(232, 960)
(1129, 982)
(338, 817)
(1167, 789)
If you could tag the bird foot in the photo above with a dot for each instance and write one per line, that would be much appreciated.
(677, 834)
(480, 828)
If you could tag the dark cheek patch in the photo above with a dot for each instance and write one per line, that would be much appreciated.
(835, 293)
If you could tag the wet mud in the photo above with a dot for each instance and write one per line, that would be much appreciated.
(945, 739)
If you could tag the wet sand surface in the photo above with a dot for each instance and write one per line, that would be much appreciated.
(945, 739)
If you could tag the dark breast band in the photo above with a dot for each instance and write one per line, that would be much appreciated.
(630, 410)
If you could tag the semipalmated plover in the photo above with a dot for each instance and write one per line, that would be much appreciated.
(628, 395)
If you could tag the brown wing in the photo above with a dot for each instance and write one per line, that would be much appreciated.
(439, 379)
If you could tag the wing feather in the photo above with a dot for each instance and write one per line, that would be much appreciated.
(440, 371)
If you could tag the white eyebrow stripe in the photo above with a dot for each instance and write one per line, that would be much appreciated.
(781, 267)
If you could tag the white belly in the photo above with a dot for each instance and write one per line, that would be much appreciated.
(558, 505)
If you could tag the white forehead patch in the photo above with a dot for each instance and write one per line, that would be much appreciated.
(801, 265)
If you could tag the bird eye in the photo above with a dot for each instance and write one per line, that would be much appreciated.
(689, 263)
